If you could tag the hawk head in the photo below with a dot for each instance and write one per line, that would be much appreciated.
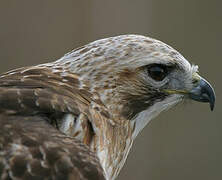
(132, 74)
(135, 78)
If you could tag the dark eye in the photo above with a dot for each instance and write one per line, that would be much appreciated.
(157, 71)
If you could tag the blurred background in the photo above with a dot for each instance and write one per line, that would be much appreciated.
(183, 143)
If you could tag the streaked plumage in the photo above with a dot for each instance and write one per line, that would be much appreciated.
(86, 108)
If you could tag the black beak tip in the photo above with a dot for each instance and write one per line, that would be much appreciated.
(211, 106)
(212, 101)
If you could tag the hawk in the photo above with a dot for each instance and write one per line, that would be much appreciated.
(77, 117)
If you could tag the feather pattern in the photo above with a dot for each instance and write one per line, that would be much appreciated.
(77, 117)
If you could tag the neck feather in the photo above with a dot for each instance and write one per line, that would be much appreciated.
(109, 140)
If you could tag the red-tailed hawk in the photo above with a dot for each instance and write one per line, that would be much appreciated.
(77, 117)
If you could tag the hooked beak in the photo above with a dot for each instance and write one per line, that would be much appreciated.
(203, 92)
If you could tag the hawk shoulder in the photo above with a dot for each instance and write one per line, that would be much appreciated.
(31, 147)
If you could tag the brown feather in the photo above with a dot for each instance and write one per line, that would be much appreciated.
(29, 99)
(32, 149)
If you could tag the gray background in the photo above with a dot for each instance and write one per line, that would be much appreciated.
(183, 143)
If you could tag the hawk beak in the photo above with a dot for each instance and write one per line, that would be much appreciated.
(203, 92)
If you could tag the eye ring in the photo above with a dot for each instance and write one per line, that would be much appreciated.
(157, 71)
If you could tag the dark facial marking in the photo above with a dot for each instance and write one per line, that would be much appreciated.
(137, 104)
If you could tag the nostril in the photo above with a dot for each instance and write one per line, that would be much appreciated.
(195, 81)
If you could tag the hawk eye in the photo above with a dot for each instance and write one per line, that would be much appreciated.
(157, 71)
